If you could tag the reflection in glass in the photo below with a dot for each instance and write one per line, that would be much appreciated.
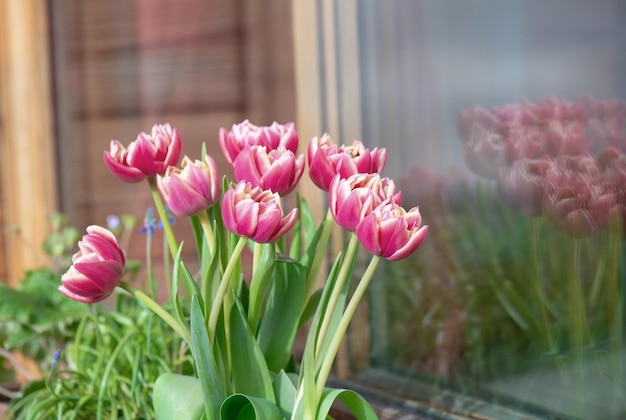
(505, 125)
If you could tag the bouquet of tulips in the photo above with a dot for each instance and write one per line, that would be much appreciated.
(240, 325)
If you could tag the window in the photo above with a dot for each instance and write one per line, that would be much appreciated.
(505, 123)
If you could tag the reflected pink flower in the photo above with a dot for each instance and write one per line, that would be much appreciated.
(484, 156)
(522, 185)
(477, 121)
(97, 267)
(392, 232)
(278, 170)
(326, 160)
(193, 188)
(576, 199)
(353, 198)
(246, 134)
(149, 155)
(255, 213)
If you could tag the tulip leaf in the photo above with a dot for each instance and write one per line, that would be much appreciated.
(174, 291)
(282, 314)
(354, 402)
(285, 392)
(177, 397)
(261, 280)
(308, 222)
(309, 309)
(212, 274)
(198, 235)
(213, 391)
(191, 283)
(246, 407)
(249, 369)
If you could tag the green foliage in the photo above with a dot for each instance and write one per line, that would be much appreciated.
(35, 319)
(109, 369)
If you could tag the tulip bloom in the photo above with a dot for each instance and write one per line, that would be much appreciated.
(353, 198)
(278, 170)
(246, 134)
(392, 232)
(97, 267)
(192, 188)
(149, 155)
(255, 213)
(326, 160)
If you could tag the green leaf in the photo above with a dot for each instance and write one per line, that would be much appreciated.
(285, 392)
(308, 222)
(280, 322)
(261, 280)
(177, 397)
(311, 306)
(245, 407)
(352, 400)
(212, 274)
(213, 391)
(197, 234)
(174, 292)
(249, 370)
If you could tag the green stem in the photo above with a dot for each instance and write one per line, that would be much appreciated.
(577, 313)
(320, 253)
(149, 272)
(537, 283)
(336, 293)
(180, 329)
(207, 229)
(167, 226)
(343, 325)
(223, 287)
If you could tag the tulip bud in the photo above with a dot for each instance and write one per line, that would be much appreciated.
(326, 160)
(246, 134)
(255, 213)
(277, 170)
(193, 188)
(353, 198)
(392, 232)
(149, 155)
(97, 267)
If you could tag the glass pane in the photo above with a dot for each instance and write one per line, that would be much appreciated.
(505, 122)
(123, 66)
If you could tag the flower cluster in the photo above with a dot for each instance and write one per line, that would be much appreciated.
(563, 159)
(261, 314)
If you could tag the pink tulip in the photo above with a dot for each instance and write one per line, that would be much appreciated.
(97, 267)
(392, 232)
(246, 134)
(149, 155)
(326, 160)
(193, 188)
(255, 213)
(278, 170)
(353, 198)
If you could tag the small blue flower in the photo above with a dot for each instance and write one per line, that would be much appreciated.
(149, 222)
